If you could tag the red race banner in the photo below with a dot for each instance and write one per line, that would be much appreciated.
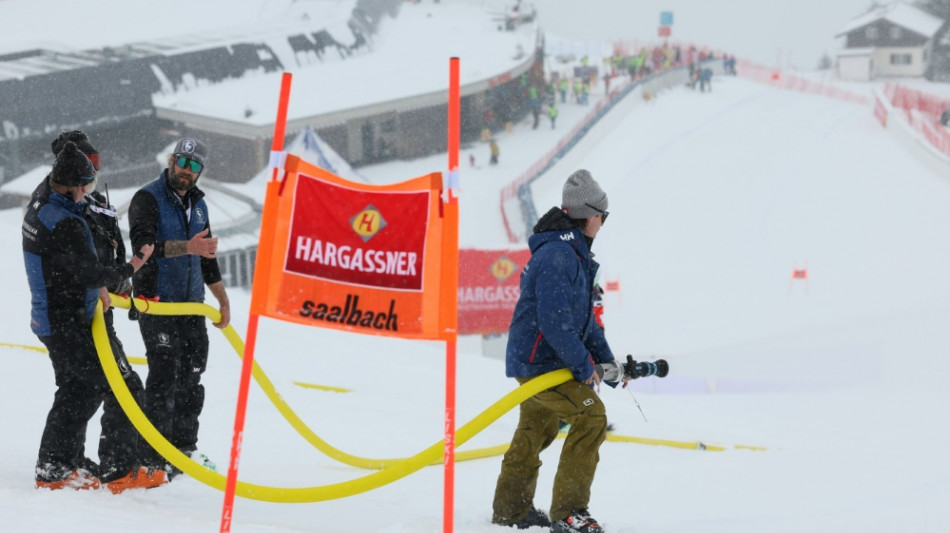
(352, 256)
(339, 233)
(488, 289)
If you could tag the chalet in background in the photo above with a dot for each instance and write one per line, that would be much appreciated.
(894, 40)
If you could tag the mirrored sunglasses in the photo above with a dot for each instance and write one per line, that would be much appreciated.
(190, 164)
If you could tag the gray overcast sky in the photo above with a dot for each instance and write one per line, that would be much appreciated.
(798, 31)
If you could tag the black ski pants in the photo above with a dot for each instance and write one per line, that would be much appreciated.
(81, 387)
(177, 352)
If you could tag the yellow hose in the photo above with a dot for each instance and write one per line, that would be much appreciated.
(391, 469)
(168, 309)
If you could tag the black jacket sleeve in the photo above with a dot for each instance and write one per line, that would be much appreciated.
(210, 271)
(71, 237)
(143, 223)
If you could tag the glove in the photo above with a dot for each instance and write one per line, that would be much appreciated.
(124, 287)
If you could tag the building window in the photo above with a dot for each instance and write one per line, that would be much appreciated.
(870, 32)
(895, 32)
(901, 59)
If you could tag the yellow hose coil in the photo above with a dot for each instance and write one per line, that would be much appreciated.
(391, 469)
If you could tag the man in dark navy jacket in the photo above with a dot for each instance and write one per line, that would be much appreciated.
(554, 327)
(65, 276)
(101, 217)
(171, 213)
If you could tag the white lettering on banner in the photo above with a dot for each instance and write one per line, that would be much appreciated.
(396, 263)
(483, 295)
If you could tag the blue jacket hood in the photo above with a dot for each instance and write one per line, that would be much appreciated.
(553, 324)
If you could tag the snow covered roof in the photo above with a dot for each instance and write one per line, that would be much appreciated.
(901, 14)
(403, 64)
(24, 184)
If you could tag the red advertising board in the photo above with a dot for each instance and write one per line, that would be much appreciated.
(488, 289)
(664, 31)
(336, 233)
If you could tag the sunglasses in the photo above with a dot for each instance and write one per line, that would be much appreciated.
(190, 164)
(603, 213)
(95, 160)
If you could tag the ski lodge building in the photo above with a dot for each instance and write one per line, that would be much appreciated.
(893, 40)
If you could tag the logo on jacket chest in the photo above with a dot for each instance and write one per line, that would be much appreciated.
(199, 215)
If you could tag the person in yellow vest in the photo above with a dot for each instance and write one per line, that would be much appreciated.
(552, 114)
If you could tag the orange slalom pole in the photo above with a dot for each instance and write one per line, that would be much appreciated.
(450, 269)
(227, 509)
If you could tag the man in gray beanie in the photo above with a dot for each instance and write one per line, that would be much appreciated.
(582, 197)
(553, 327)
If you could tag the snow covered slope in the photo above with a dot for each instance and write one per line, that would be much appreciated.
(715, 198)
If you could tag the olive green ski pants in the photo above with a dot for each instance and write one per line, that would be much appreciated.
(576, 404)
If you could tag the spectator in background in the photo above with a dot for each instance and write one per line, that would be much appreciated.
(705, 79)
(534, 102)
(493, 148)
(729, 64)
(552, 114)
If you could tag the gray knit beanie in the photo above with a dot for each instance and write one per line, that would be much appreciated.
(582, 196)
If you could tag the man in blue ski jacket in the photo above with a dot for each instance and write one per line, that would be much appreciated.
(554, 327)
(65, 277)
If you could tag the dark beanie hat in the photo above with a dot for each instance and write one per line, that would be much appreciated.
(82, 142)
(72, 168)
(192, 149)
(76, 136)
(582, 197)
